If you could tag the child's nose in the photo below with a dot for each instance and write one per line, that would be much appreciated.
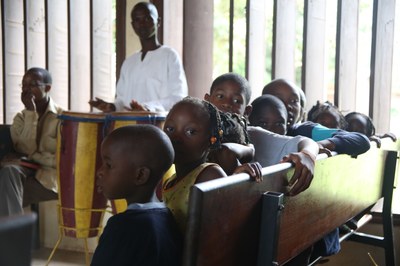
(175, 138)
(227, 106)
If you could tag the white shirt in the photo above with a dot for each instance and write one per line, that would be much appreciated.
(270, 147)
(157, 82)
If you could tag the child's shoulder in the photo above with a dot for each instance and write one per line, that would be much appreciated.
(209, 171)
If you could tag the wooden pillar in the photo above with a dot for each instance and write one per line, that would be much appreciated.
(284, 40)
(198, 46)
(314, 52)
(256, 55)
(346, 56)
(381, 72)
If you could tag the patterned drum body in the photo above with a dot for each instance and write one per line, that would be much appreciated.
(78, 158)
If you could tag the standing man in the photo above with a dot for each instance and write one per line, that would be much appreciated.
(34, 134)
(152, 79)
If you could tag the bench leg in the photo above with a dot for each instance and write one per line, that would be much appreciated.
(36, 231)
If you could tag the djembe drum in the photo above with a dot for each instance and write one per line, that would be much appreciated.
(118, 119)
(81, 206)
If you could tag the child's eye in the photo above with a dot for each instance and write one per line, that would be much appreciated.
(294, 101)
(190, 132)
(219, 96)
(168, 129)
(237, 101)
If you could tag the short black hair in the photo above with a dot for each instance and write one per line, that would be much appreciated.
(267, 99)
(150, 6)
(46, 76)
(150, 142)
(240, 80)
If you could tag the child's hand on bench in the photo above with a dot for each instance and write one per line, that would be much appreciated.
(304, 164)
(253, 169)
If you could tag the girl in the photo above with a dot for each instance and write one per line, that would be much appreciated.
(327, 114)
(195, 127)
(359, 122)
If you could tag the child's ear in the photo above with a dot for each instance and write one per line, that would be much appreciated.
(247, 110)
(207, 97)
(142, 175)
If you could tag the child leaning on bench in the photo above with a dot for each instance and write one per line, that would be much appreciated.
(231, 93)
(333, 139)
(134, 159)
(195, 127)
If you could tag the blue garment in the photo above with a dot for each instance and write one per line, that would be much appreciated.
(327, 246)
(142, 235)
(351, 143)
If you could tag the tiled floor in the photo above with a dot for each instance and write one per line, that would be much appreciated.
(60, 258)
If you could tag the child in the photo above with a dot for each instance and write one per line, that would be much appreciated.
(341, 141)
(194, 127)
(328, 115)
(290, 96)
(231, 92)
(270, 113)
(358, 122)
(331, 139)
(134, 160)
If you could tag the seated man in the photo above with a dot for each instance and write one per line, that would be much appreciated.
(34, 134)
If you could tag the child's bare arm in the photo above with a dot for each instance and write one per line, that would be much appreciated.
(244, 153)
(210, 173)
(387, 135)
(231, 155)
(304, 163)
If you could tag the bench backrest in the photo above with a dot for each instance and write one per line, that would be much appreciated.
(224, 222)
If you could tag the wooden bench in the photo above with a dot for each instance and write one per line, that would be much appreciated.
(234, 221)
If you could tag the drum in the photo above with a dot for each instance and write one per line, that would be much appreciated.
(81, 206)
(118, 119)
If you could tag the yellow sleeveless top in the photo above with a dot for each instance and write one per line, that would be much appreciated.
(177, 197)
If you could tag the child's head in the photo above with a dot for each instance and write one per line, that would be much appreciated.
(196, 126)
(358, 122)
(134, 159)
(327, 115)
(288, 92)
(231, 93)
(269, 112)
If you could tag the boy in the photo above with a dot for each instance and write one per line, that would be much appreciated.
(135, 158)
(231, 92)
(270, 113)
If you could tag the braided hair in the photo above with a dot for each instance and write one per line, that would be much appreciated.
(326, 107)
(370, 129)
(225, 127)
